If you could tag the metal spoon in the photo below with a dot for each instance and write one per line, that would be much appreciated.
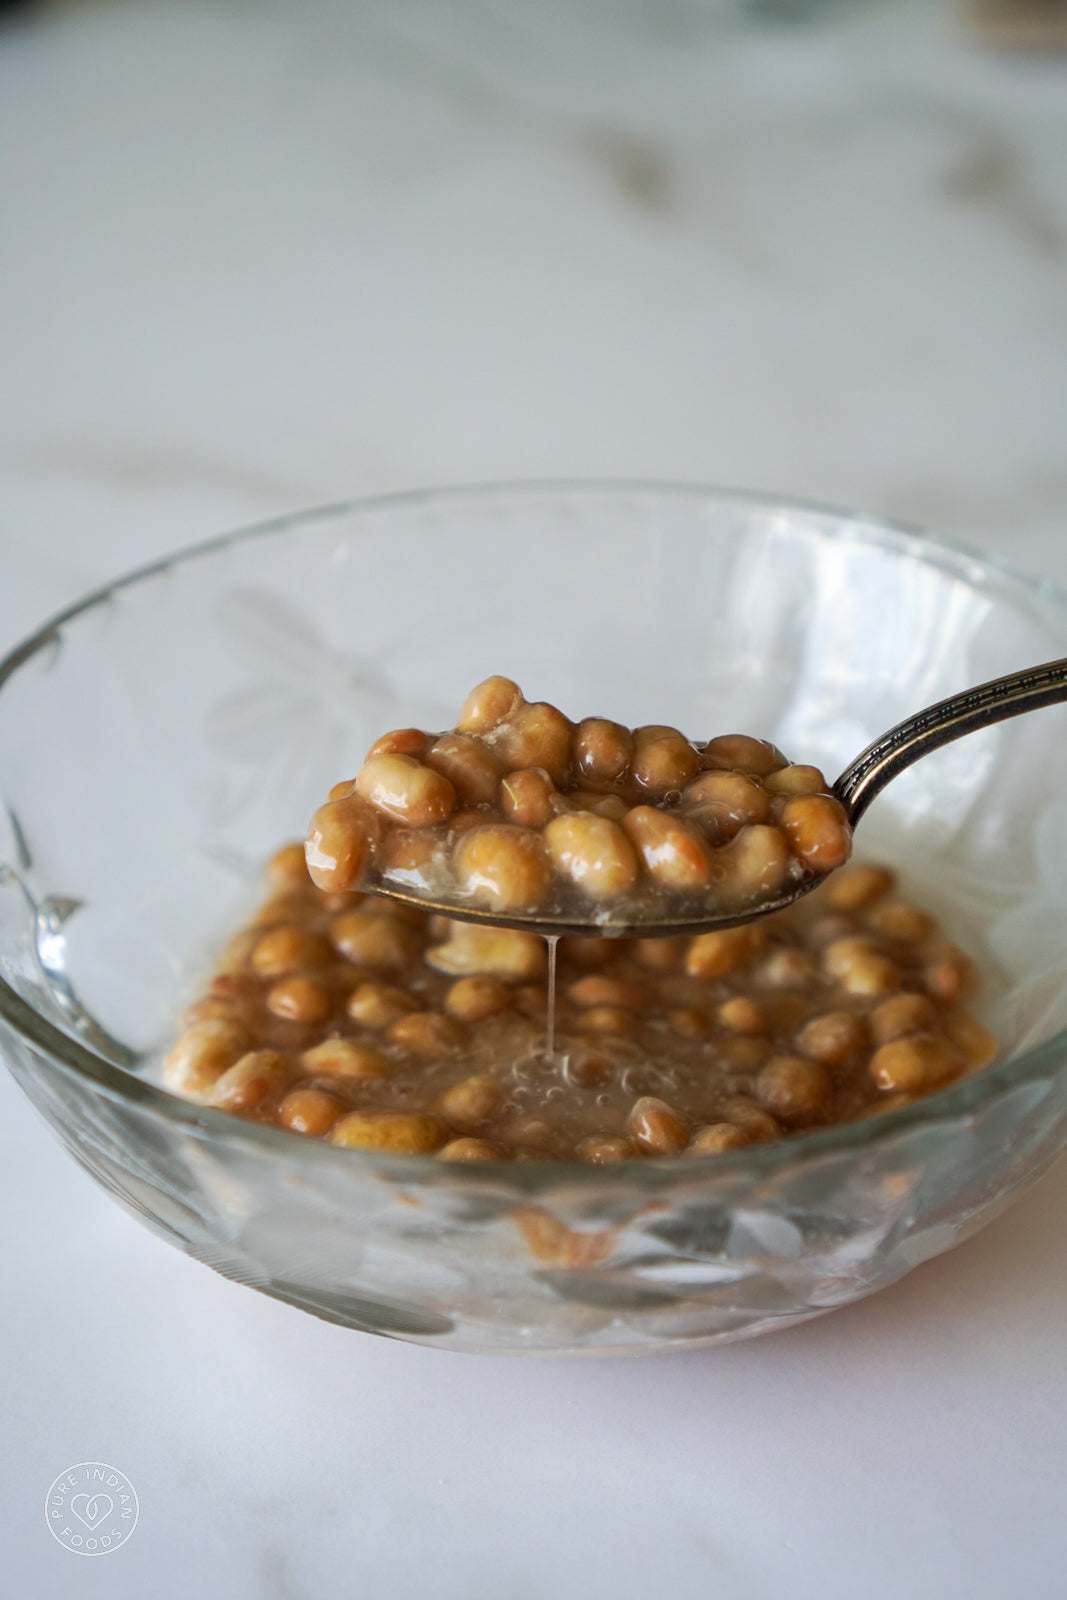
(861, 781)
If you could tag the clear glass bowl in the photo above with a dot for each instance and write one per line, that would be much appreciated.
(160, 738)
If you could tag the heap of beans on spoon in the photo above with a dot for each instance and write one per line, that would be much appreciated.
(520, 814)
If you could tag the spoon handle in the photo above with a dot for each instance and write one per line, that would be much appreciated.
(950, 719)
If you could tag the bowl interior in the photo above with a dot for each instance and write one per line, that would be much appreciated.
(157, 743)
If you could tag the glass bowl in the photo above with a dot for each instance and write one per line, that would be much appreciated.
(160, 738)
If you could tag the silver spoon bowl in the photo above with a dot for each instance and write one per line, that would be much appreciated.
(862, 780)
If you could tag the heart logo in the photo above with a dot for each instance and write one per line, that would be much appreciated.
(92, 1508)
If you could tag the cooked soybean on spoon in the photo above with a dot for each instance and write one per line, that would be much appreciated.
(862, 780)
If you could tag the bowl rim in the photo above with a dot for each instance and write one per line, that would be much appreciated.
(954, 1103)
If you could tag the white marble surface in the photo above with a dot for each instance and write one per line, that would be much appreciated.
(259, 256)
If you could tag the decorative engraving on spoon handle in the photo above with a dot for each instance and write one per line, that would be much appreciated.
(940, 724)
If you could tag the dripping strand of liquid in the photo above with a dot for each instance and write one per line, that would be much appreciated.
(552, 942)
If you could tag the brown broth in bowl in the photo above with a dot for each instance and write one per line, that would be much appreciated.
(344, 1016)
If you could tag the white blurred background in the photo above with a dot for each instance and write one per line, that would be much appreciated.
(256, 256)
